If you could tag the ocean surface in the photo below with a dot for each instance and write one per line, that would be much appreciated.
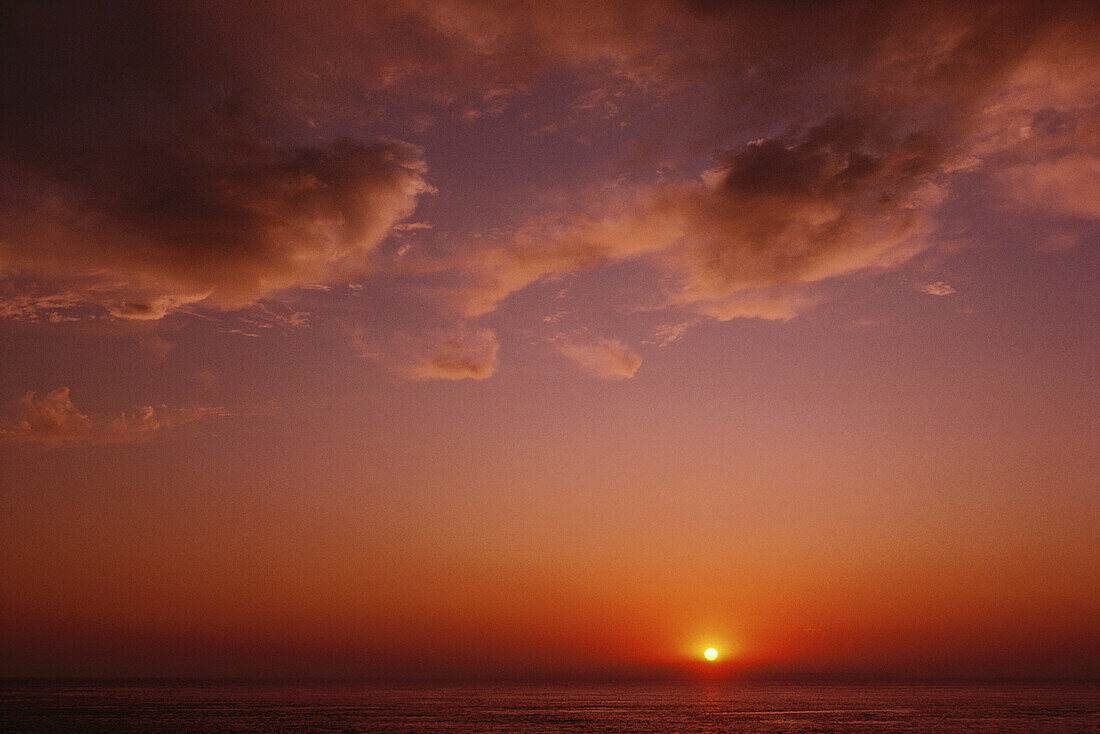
(709, 707)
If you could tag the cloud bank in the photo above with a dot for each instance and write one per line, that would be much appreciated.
(161, 157)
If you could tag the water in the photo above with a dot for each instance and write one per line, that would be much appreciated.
(529, 709)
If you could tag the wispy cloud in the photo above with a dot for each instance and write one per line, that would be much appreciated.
(452, 353)
(466, 354)
(53, 419)
(939, 288)
(609, 359)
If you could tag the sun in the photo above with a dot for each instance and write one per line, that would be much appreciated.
(710, 654)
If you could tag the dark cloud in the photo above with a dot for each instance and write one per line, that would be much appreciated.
(190, 230)
(142, 146)
(830, 201)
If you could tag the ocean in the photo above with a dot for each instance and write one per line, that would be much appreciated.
(664, 708)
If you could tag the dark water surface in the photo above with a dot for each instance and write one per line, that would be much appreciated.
(630, 708)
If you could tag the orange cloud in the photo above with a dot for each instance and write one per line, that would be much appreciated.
(772, 213)
(50, 418)
(454, 353)
(456, 356)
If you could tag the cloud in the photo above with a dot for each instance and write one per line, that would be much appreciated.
(53, 419)
(37, 307)
(1069, 185)
(829, 201)
(267, 315)
(50, 418)
(864, 143)
(221, 232)
(667, 334)
(493, 272)
(142, 423)
(150, 161)
(512, 42)
(154, 349)
(465, 354)
(159, 156)
(453, 353)
(410, 226)
(609, 359)
(769, 215)
(775, 304)
(939, 288)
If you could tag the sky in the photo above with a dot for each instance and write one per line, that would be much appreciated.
(457, 338)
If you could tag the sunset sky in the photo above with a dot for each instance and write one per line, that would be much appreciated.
(456, 338)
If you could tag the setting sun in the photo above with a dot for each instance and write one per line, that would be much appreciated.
(710, 654)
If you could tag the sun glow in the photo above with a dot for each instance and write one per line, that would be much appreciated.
(710, 654)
